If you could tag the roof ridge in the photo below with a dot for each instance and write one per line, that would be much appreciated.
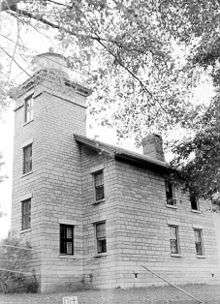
(120, 152)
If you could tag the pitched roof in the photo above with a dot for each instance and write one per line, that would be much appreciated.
(122, 154)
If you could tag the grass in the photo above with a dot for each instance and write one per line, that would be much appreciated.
(151, 295)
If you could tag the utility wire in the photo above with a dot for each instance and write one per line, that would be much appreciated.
(20, 247)
(173, 285)
(18, 271)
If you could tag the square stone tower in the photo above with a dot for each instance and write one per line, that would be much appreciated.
(46, 170)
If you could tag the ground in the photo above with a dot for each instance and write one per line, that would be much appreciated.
(151, 295)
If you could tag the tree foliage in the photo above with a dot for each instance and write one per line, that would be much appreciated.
(198, 157)
(15, 257)
(127, 48)
(143, 59)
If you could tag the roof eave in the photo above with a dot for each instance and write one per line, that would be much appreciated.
(142, 163)
(94, 146)
(122, 155)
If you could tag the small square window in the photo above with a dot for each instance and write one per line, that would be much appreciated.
(99, 185)
(28, 109)
(194, 201)
(198, 241)
(169, 193)
(27, 159)
(67, 239)
(174, 240)
(26, 214)
(100, 237)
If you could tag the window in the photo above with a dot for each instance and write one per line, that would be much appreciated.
(174, 242)
(100, 237)
(28, 109)
(198, 241)
(66, 239)
(169, 193)
(26, 214)
(99, 185)
(27, 159)
(193, 201)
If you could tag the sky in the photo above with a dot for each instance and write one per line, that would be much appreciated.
(38, 43)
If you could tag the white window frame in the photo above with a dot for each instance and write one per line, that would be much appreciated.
(172, 225)
(23, 158)
(202, 241)
(96, 239)
(31, 111)
(94, 186)
(25, 200)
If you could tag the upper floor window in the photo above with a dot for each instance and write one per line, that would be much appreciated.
(170, 193)
(99, 185)
(67, 239)
(26, 214)
(28, 108)
(198, 241)
(101, 237)
(193, 201)
(27, 159)
(174, 240)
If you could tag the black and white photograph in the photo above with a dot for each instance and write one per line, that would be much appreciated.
(109, 151)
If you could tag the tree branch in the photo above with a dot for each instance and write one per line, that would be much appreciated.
(12, 58)
(51, 24)
(96, 38)
(58, 3)
(14, 51)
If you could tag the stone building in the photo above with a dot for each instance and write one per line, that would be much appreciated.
(96, 213)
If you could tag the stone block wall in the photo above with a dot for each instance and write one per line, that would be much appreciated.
(100, 270)
(54, 185)
(137, 223)
(144, 233)
(137, 217)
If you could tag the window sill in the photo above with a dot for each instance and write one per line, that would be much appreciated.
(25, 231)
(171, 206)
(98, 202)
(100, 255)
(26, 174)
(27, 122)
(68, 256)
(200, 256)
(176, 255)
(196, 211)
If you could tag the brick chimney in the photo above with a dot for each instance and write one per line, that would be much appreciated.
(153, 146)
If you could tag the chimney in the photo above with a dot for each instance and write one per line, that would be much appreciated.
(153, 146)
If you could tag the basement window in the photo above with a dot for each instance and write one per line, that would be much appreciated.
(26, 214)
(174, 240)
(100, 232)
(28, 109)
(99, 185)
(198, 241)
(66, 239)
(171, 201)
